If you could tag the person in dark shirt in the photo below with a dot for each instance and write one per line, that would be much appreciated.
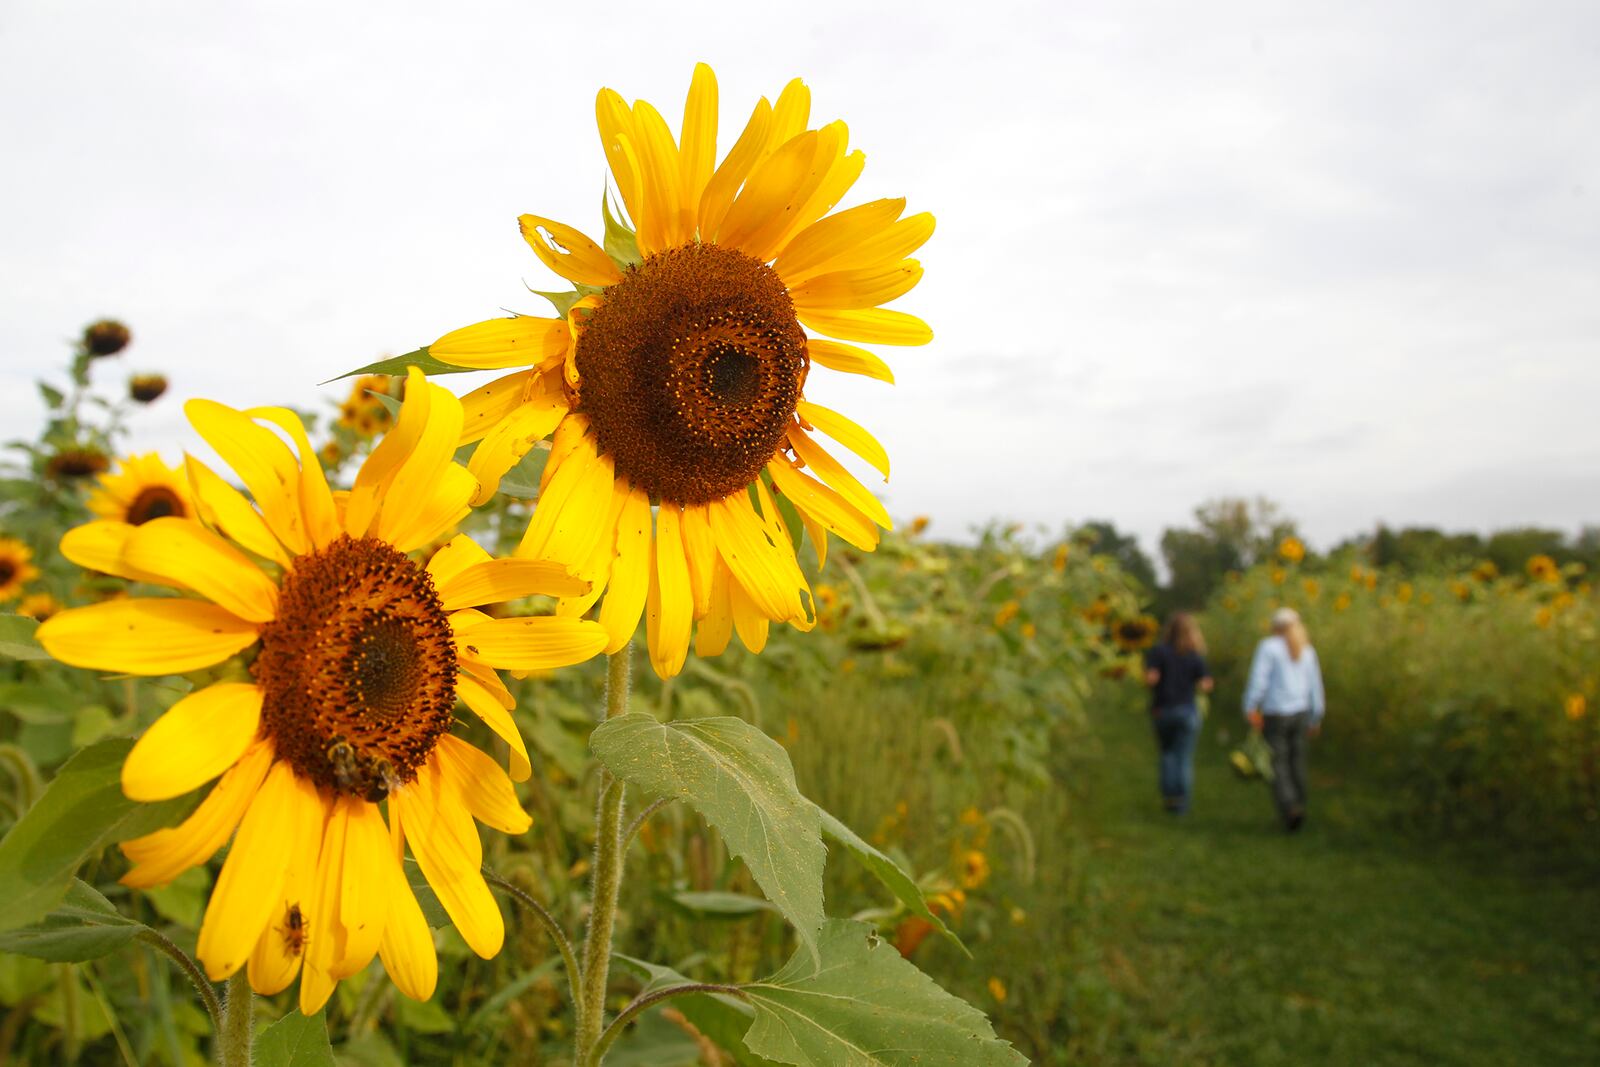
(1173, 670)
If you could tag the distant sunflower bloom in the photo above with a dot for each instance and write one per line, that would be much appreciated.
(676, 378)
(70, 464)
(974, 869)
(143, 488)
(1292, 549)
(360, 657)
(16, 568)
(1542, 568)
(1132, 635)
(38, 606)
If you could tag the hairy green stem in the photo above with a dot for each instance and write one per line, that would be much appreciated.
(569, 958)
(202, 984)
(643, 1002)
(234, 1040)
(608, 848)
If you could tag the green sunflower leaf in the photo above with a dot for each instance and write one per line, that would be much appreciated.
(81, 811)
(867, 1006)
(621, 243)
(562, 302)
(722, 1018)
(17, 640)
(887, 871)
(742, 783)
(84, 926)
(397, 365)
(295, 1041)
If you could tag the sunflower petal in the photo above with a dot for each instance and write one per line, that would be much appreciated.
(422, 473)
(316, 500)
(497, 344)
(837, 478)
(748, 619)
(875, 326)
(539, 643)
(252, 878)
(834, 236)
(768, 193)
(446, 503)
(99, 545)
(700, 552)
(569, 518)
(848, 359)
(841, 175)
(510, 440)
(711, 637)
(658, 166)
(485, 704)
(145, 636)
(597, 569)
(483, 786)
(847, 433)
(768, 571)
(325, 939)
(865, 288)
(380, 466)
(225, 510)
(856, 248)
(185, 554)
(500, 580)
(571, 254)
(281, 948)
(262, 461)
(730, 176)
(454, 557)
(629, 582)
(160, 857)
(813, 498)
(363, 890)
(407, 946)
(670, 602)
(792, 111)
(697, 157)
(195, 740)
(445, 841)
(615, 120)
(484, 407)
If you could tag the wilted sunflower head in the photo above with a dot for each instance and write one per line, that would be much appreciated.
(74, 463)
(106, 337)
(360, 652)
(142, 489)
(16, 568)
(147, 388)
(685, 460)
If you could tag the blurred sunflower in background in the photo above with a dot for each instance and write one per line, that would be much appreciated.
(16, 568)
(675, 377)
(360, 655)
(1134, 635)
(142, 488)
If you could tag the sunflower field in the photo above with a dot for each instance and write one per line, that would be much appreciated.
(1469, 691)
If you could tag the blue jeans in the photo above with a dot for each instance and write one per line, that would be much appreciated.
(1177, 729)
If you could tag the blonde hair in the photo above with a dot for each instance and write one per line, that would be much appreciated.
(1293, 632)
(1183, 633)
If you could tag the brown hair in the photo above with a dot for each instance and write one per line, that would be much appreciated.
(1183, 634)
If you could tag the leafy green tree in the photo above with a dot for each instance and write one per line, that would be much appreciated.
(1105, 539)
(1231, 534)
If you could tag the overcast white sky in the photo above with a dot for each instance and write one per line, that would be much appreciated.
(1346, 255)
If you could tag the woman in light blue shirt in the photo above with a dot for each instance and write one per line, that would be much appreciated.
(1284, 701)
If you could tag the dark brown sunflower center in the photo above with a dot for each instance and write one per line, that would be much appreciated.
(8, 571)
(155, 502)
(358, 670)
(690, 372)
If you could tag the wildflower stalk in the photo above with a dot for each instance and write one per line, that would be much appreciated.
(202, 984)
(607, 882)
(238, 1012)
(640, 1004)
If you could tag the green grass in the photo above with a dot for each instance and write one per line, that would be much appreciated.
(1226, 941)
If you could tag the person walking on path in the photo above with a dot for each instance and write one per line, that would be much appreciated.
(1174, 669)
(1284, 701)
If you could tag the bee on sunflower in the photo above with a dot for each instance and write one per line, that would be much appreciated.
(360, 654)
(684, 451)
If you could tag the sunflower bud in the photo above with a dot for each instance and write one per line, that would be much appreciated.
(106, 337)
(147, 388)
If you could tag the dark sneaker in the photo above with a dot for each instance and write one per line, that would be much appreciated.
(1296, 820)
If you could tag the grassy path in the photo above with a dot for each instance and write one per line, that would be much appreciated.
(1230, 943)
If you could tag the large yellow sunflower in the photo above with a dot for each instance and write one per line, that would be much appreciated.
(360, 655)
(16, 568)
(143, 488)
(675, 381)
